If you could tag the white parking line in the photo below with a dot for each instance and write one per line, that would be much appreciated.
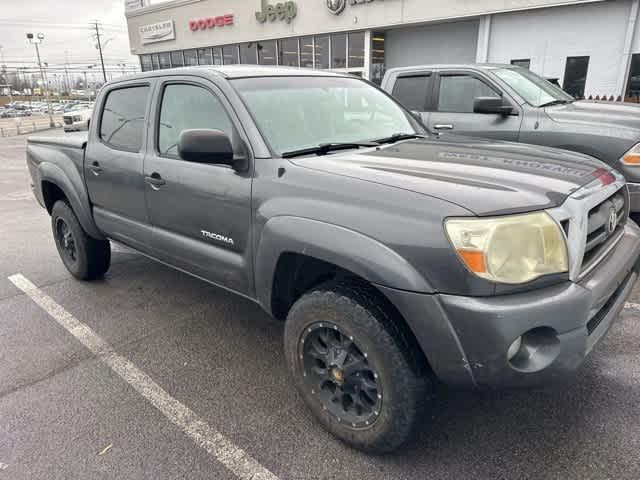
(216, 444)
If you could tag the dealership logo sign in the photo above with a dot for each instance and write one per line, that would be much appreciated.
(283, 11)
(337, 6)
(210, 22)
(157, 32)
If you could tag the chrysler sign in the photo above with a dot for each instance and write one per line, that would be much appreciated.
(157, 32)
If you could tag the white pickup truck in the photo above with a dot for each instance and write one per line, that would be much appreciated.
(77, 119)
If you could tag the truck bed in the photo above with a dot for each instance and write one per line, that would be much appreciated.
(69, 140)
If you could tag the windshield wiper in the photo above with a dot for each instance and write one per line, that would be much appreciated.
(396, 137)
(325, 148)
(555, 102)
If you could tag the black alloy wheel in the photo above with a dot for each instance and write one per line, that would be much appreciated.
(339, 374)
(66, 240)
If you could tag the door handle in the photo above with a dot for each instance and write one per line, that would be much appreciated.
(96, 169)
(443, 126)
(155, 180)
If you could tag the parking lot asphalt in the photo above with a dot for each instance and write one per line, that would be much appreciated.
(64, 414)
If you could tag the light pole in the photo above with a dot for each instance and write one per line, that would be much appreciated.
(37, 40)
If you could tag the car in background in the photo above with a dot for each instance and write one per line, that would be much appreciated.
(507, 102)
(78, 118)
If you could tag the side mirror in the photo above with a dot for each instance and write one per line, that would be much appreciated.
(491, 105)
(417, 115)
(203, 145)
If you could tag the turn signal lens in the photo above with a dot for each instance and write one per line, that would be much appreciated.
(511, 249)
(474, 260)
(632, 157)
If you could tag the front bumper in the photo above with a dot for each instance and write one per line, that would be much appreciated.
(466, 338)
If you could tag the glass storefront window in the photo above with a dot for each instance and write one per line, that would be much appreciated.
(177, 60)
(190, 58)
(306, 52)
(248, 53)
(575, 76)
(204, 56)
(156, 62)
(322, 52)
(230, 55)
(356, 50)
(377, 57)
(164, 59)
(339, 50)
(146, 63)
(217, 55)
(267, 53)
(288, 52)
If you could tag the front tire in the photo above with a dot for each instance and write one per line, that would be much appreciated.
(85, 257)
(356, 366)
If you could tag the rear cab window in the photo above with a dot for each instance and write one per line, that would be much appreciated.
(122, 119)
(412, 91)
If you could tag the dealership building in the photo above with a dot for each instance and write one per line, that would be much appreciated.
(591, 47)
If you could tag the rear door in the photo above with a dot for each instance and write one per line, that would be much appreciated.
(414, 91)
(113, 164)
(200, 213)
(454, 95)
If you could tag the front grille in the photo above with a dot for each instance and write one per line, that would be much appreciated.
(68, 120)
(599, 234)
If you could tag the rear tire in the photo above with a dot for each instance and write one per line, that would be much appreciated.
(380, 406)
(85, 257)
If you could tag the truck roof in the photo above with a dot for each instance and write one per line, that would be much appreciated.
(234, 71)
(452, 66)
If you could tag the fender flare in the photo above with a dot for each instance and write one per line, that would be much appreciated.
(79, 200)
(348, 249)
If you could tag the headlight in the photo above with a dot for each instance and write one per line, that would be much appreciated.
(510, 249)
(77, 118)
(632, 157)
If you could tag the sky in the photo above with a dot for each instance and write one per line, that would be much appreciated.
(66, 26)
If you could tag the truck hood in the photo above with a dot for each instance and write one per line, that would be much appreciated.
(604, 115)
(485, 177)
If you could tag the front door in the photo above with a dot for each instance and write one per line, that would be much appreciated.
(200, 213)
(113, 165)
(453, 109)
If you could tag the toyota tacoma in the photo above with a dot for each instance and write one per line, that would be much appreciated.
(394, 256)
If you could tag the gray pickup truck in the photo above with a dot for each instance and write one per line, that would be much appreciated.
(506, 102)
(394, 256)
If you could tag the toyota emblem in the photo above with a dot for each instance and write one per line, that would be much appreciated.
(612, 221)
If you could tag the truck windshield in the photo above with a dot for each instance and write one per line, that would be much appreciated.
(299, 112)
(534, 89)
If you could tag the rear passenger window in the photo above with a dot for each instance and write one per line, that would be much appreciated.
(185, 107)
(122, 122)
(412, 91)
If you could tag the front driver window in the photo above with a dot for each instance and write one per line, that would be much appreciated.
(457, 93)
(185, 107)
